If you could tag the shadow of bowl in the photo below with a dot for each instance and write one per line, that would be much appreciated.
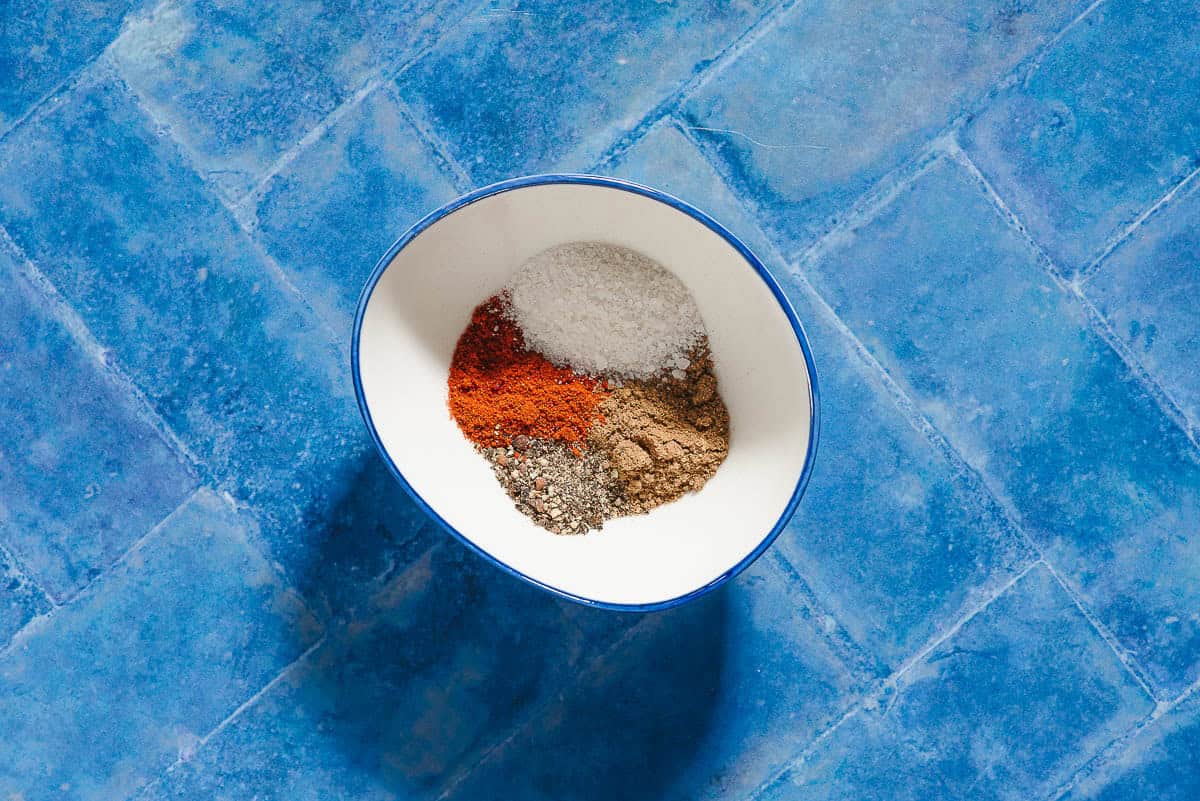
(447, 661)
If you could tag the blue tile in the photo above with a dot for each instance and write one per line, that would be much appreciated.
(329, 217)
(544, 84)
(1003, 360)
(20, 599)
(891, 540)
(705, 701)
(82, 473)
(1106, 125)
(239, 368)
(1149, 290)
(1159, 764)
(42, 43)
(665, 158)
(114, 688)
(1019, 698)
(861, 760)
(239, 83)
(840, 93)
(361, 530)
(1007, 708)
(394, 707)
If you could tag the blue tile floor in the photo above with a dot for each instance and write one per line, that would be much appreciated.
(987, 213)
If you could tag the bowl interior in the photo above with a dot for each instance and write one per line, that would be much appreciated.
(420, 305)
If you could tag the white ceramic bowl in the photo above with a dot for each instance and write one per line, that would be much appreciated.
(419, 299)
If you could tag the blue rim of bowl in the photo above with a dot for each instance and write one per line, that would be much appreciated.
(814, 403)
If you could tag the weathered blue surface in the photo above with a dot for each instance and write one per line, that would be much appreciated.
(108, 692)
(20, 599)
(44, 42)
(1105, 126)
(1003, 361)
(211, 587)
(1010, 705)
(840, 93)
(455, 655)
(1003, 709)
(241, 83)
(709, 700)
(1159, 763)
(549, 84)
(862, 760)
(1149, 291)
(330, 214)
(84, 473)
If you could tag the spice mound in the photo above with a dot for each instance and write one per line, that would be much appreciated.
(588, 385)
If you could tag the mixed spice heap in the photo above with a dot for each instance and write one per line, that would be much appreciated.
(588, 384)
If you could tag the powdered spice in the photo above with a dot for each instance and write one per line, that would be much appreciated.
(594, 396)
(665, 436)
(500, 390)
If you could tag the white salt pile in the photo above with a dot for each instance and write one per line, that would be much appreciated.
(604, 309)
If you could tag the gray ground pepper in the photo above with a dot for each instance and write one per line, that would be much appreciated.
(563, 492)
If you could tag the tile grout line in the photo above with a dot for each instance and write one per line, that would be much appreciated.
(1120, 744)
(377, 78)
(232, 717)
(893, 681)
(135, 546)
(68, 83)
(1028, 64)
(244, 705)
(66, 316)
(1188, 692)
(62, 87)
(960, 157)
(273, 268)
(527, 719)
(708, 70)
(1089, 271)
(1097, 323)
(262, 549)
(1034, 64)
(805, 751)
(852, 656)
(862, 212)
(447, 164)
(871, 699)
(1124, 656)
(36, 622)
(112, 69)
(247, 203)
(1158, 393)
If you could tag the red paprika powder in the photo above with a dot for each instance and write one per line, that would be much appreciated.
(500, 390)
